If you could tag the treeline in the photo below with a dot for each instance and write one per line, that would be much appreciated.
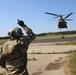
(57, 33)
(6, 37)
(49, 33)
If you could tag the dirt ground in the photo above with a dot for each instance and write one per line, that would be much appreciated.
(50, 64)
(46, 63)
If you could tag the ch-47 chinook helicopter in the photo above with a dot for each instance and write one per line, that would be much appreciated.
(62, 21)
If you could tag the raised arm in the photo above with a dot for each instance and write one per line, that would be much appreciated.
(29, 32)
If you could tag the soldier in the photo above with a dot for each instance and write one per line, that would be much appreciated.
(13, 53)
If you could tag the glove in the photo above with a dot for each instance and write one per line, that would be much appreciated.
(20, 22)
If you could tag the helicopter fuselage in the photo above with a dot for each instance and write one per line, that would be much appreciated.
(62, 23)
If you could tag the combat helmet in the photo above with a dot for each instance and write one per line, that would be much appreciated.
(16, 33)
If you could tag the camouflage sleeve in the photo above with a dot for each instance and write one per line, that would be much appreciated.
(29, 32)
(1, 49)
(2, 59)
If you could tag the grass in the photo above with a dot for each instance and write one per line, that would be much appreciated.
(66, 43)
(67, 52)
(32, 59)
(48, 36)
(72, 63)
(3, 40)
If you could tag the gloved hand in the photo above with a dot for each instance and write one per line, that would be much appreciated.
(20, 22)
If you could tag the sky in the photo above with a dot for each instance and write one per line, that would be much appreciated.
(32, 12)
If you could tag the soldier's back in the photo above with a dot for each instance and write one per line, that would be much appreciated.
(13, 45)
(15, 54)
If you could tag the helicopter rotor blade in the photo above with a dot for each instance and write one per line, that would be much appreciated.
(59, 16)
(69, 19)
(51, 14)
(68, 15)
(56, 17)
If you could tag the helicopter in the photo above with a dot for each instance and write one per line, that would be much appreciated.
(62, 21)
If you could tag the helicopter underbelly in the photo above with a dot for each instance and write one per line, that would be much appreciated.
(62, 25)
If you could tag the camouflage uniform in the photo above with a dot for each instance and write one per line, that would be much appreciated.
(14, 54)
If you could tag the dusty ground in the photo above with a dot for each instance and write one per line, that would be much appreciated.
(47, 64)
